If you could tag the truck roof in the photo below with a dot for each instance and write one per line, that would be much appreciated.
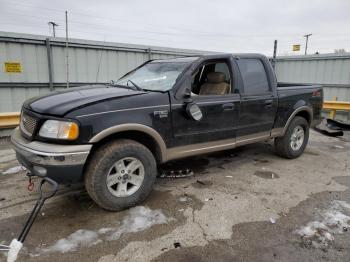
(214, 56)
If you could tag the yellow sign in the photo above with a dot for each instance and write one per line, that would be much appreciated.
(296, 47)
(13, 67)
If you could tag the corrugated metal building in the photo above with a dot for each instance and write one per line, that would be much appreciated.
(332, 71)
(43, 64)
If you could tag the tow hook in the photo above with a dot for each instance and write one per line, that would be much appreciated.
(30, 186)
(16, 244)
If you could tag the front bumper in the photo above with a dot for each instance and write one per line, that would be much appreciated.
(62, 163)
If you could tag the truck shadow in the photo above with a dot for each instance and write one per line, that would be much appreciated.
(258, 154)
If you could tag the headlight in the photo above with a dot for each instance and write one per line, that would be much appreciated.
(59, 130)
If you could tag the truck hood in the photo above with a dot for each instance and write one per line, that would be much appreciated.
(61, 102)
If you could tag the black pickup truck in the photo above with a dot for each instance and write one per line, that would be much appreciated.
(112, 137)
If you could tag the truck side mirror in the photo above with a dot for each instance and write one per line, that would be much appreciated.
(187, 93)
(187, 96)
(194, 111)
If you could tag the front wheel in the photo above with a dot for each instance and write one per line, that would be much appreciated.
(294, 141)
(120, 174)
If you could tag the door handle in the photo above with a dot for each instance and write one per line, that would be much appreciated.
(268, 103)
(228, 106)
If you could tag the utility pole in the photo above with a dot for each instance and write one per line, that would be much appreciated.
(67, 62)
(307, 40)
(53, 27)
(274, 54)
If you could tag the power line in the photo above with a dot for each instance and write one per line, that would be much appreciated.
(97, 17)
(89, 32)
(204, 33)
(198, 33)
(175, 34)
(104, 34)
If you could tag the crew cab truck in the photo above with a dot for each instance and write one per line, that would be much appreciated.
(112, 137)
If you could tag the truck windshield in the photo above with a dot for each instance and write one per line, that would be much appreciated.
(157, 75)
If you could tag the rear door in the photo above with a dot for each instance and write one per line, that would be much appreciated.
(258, 102)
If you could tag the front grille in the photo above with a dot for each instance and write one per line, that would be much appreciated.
(28, 124)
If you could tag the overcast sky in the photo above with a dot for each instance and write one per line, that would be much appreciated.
(221, 25)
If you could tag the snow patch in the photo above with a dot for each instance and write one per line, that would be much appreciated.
(14, 170)
(80, 238)
(138, 219)
(332, 221)
(183, 199)
(105, 230)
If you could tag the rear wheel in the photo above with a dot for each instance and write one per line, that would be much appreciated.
(120, 174)
(294, 141)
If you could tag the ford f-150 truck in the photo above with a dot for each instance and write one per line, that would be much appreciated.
(113, 137)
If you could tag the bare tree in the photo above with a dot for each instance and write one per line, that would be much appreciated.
(340, 51)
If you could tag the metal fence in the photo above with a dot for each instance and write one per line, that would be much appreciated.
(41, 63)
(332, 71)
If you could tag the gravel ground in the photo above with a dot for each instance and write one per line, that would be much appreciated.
(245, 204)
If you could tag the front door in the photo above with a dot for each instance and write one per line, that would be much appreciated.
(213, 92)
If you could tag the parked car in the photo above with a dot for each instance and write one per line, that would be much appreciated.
(112, 137)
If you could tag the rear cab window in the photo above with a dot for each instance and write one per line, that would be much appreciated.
(253, 76)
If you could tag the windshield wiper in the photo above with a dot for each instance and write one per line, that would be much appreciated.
(154, 90)
(135, 85)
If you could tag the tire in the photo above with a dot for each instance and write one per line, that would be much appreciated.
(289, 146)
(110, 164)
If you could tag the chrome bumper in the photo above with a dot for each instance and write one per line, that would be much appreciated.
(45, 154)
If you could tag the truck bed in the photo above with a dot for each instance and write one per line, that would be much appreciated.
(285, 85)
(288, 93)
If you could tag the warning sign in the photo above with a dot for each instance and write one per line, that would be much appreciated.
(296, 47)
(13, 67)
